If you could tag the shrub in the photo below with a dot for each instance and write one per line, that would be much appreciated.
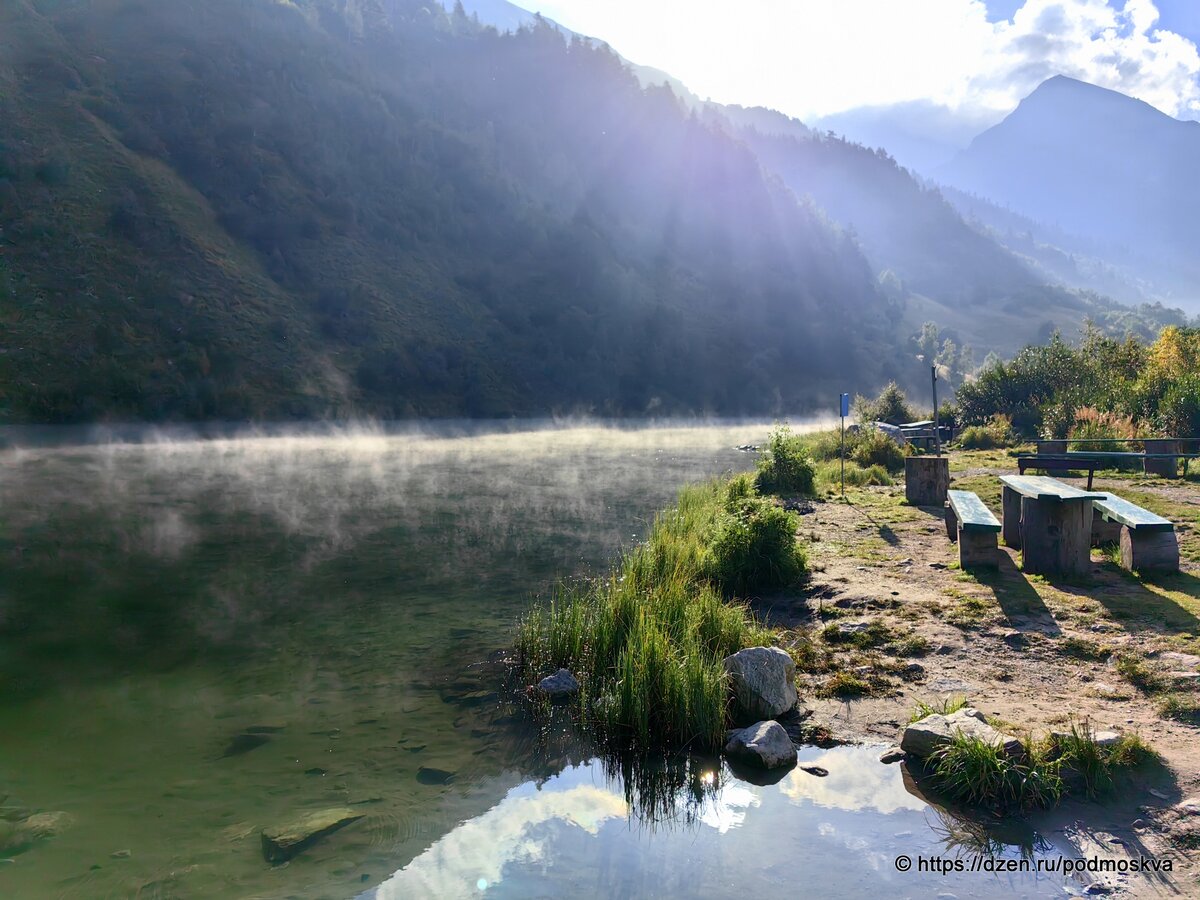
(754, 547)
(874, 448)
(890, 406)
(998, 432)
(785, 467)
(844, 684)
(1179, 409)
(1093, 425)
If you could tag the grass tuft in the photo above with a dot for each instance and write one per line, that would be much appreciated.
(647, 641)
(944, 708)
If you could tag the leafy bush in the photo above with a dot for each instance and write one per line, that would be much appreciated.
(1179, 409)
(890, 406)
(754, 548)
(874, 448)
(998, 432)
(785, 466)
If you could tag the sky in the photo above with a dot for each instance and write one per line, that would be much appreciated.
(813, 58)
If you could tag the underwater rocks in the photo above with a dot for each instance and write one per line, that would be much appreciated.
(927, 735)
(19, 833)
(559, 686)
(763, 681)
(765, 745)
(285, 842)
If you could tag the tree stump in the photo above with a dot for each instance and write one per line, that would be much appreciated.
(1167, 468)
(926, 480)
(1155, 551)
(1056, 537)
(1010, 517)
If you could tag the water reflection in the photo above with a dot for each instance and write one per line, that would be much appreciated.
(579, 834)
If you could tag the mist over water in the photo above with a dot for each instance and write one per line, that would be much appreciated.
(201, 636)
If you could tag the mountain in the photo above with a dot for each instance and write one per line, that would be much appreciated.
(1098, 164)
(920, 135)
(251, 209)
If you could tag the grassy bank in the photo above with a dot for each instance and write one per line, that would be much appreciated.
(646, 642)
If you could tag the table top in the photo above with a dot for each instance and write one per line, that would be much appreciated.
(1043, 487)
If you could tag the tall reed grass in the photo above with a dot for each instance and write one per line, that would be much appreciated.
(646, 642)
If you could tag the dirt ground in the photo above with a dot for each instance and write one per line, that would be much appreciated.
(1032, 653)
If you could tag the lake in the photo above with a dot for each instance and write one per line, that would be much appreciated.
(200, 638)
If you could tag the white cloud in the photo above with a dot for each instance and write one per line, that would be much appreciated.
(817, 57)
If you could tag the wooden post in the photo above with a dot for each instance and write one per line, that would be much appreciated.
(1149, 551)
(1010, 517)
(1167, 468)
(1056, 536)
(926, 480)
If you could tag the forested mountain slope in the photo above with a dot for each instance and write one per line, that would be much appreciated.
(223, 208)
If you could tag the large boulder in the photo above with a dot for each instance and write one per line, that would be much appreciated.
(923, 737)
(763, 681)
(765, 745)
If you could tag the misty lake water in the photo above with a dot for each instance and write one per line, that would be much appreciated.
(200, 638)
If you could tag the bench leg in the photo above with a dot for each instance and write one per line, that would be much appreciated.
(1105, 532)
(1011, 518)
(1156, 551)
(1056, 537)
(977, 549)
(951, 523)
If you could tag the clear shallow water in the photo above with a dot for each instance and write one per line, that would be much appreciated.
(337, 597)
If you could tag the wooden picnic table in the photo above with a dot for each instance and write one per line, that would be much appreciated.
(1049, 522)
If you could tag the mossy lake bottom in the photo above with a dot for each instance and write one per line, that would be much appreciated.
(203, 638)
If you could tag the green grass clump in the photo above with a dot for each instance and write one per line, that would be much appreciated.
(1077, 752)
(785, 466)
(944, 708)
(1082, 648)
(1181, 709)
(1134, 670)
(844, 685)
(972, 771)
(646, 643)
(913, 645)
(874, 635)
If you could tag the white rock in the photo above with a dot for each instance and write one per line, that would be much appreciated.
(922, 738)
(763, 682)
(764, 744)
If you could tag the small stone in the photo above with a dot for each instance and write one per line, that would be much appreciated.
(284, 843)
(764, 744)
(937, 565)
(1138, 824)
(815, 770)
(560, 685)
(1188, 807)
(912, 672)
(121, 854)
(1159, 794)
(1096, 889)
(892, 755)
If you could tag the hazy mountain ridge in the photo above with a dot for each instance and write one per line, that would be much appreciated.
(1102, 165)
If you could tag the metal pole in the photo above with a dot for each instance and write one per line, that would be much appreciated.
(843, 457)
(937, 426)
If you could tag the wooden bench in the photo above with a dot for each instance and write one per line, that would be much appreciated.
(973, 527)
(1091, 460)
(1148, 541)
(1050, 522)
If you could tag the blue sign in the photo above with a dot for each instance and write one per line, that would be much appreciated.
(845, 405)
